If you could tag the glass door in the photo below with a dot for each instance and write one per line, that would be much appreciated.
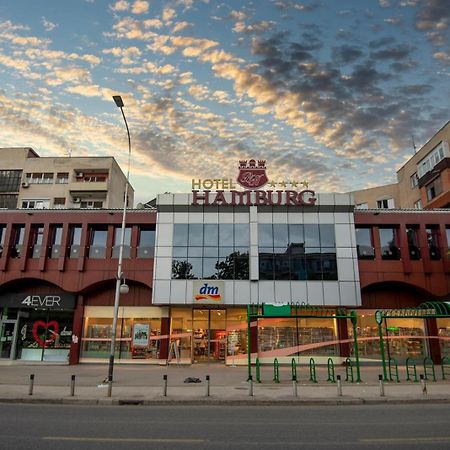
(210, 335)
(7, 333)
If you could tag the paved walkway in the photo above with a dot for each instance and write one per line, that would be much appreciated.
(142, 384)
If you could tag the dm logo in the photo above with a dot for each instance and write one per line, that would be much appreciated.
(206, 292)
(252, 175)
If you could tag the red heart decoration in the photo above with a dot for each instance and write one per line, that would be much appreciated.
(53, 333)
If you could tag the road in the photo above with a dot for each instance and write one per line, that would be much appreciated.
(66, 427)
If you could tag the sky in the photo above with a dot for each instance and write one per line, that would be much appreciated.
(333, 92)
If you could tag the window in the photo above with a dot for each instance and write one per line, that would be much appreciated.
(211, 251)
(10, 180)
(433, 241)
(37, 236)
(75, 241)
(97, 244)
(35, 204)
(364, 243)
(17, 238)
(389, 243)
(59, 202)
(362, 206)
(126, 242)
(91, 204)
(39, 178)
(387, 203)
(447, 232)
(297, 252)
(434, 189)
(436, 155)
(413, 242)
(56, 248)
(2, 238)
(146, 243)
(62, 178)
(418, 204)
(414, 180)
(8, 201)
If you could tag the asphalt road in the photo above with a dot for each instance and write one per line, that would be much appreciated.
(220, 427)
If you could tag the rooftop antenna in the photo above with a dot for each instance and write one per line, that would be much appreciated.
(413, 143)
(69, 152)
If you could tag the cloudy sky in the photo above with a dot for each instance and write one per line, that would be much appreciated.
(326, 91)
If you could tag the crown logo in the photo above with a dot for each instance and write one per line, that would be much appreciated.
(243, 164)
(252, 164)
(252, 173)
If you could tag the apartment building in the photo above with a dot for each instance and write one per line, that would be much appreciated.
(29, 181)
(423, 182)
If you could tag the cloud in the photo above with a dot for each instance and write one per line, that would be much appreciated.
(49, 26)
(256, 27)
(168, 15)
(140, 7)
(180, 26)
(120, 5)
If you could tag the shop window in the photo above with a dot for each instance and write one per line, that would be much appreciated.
(389, 243)
(443, 326)
(56, 248)
(126, 242)
(62, 178)
(413, 242)
(37, 236)
(434, 189)
(433, 242)
(97, 244)
(17, 239)
(364, 243)
(75, 241)
(297, 252)
(2, 238)
(146, 243)
(211, 251)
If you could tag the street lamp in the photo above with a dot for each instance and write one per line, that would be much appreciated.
(121, 286)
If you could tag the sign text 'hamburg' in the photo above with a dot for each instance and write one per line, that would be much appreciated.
(251, 177)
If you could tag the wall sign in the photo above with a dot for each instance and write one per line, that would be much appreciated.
(45, 301)
(208, 291)
(252, 176)
(141, 334)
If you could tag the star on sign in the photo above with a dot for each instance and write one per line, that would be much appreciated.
(294, 183)
(282, 183)
(305, 183)
(272, 183)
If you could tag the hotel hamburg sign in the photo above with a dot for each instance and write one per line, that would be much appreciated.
(252, 177)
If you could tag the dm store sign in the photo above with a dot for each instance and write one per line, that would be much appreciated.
(210, 291)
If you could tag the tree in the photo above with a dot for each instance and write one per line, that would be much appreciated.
(234, 267)
(182, 270)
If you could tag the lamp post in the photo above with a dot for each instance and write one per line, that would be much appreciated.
(121, 287)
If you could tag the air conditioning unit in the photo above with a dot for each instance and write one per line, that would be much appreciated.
(25, 184)
(76, 199)
(80, 175)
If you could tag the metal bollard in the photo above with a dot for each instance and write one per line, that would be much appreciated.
(294, 387)
(207, 385)
(250, 386)
(424, 384)
(30, 388)
(72, 386)
(380, 380)
(165, 385)
(339, 385)
(110, 382)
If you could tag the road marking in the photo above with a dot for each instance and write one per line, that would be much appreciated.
(106, 439)
(415, 439)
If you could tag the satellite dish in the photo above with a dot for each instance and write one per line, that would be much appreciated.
(139, 206)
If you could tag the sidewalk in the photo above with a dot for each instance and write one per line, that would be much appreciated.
(141, 384)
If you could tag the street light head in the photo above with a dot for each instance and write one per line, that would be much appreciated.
(124, 289)
(118, 100)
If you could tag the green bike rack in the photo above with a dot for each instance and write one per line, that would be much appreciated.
(349, 370)
(294, 369)
(445, 362)
(393, 363)
(276, 371)
(258, 371)
(312, 370)
(411, 364)
(330, 366)
(428, 363)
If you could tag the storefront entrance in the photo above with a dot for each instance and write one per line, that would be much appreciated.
(210, 336)
(8, 338)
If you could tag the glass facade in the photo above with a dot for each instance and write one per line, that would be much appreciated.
(364, 243)
(297, 252)
(389, 243)
(211, 251)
